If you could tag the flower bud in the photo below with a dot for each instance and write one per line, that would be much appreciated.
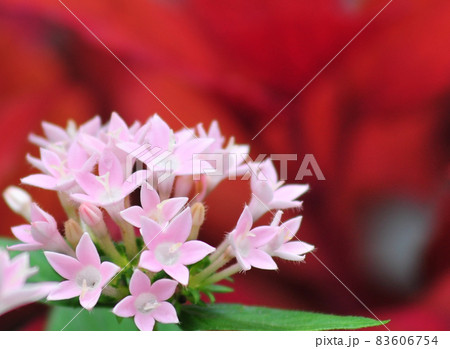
(93, 217)
(90, 214)
(73, 232)
(18, 200)
(198, 214)
(198, 217)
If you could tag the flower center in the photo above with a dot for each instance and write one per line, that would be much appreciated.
(168, 253)
(244, 247)
(146, 302)
(88, 278)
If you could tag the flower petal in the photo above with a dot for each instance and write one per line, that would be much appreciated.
(125, 308)
(41, 181)
(194, 251)
(149, 262)
(165, 313)
(290, 192)
(149, 197)
(245, 222)
(260, 236)
(171, 207)
(90, 298)
(133, 215)
(109, 163)
(179, 272)
(293, 250)
(65, 290)
(291, 227)
(64, 265)
(150, 231)
(180, 227)
(144, 322)
(139, 283)
(23, 233)
(108, 270)
(260, 259)
(86, 252)
(163, 289)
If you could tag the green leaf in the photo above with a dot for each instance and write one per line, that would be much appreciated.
(37, 258)
(98, 319)
(216, 288)
(245, 318)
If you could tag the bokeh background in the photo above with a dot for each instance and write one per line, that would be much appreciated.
(377, 121)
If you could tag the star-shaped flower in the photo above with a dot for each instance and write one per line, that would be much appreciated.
(246, 243)
(147, 302)
(110, 187)
(86, 275)
(270, 194)
(168, 249)
(281, 245)
(152, 207)
(60, 170)
(42, 233)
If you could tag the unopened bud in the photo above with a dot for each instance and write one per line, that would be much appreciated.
(90, 214)
(18, 200)
(73, 232)
(93, 217)
(198, 214)
(198, 217)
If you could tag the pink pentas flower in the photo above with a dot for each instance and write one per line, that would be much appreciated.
(246, 243)
(147, 302)
(152, 207)
(110, 187)
(14, 291)
(116, 131)
(164, 152)
(168, 249)
(42, 233)
(60, 170)
(58, 139)
(86, 275)
(270, 194)
(281, 245)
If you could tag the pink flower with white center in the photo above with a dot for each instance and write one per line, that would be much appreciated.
(116, 131)
(281, 245)
(147, 302)
(42, 233)
(60, 170)
(168, 249)
(58, 139)
(110, 187)
(14, 292)
(164, 153)
(86, 275)
(270, 194)
(246, 243)
(152, 207)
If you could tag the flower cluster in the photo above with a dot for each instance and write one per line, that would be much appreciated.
(140, 252)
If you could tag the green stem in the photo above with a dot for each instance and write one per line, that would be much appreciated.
(232, 269)
(128, 237)
(109, 248)
(219, 250)
(210, 269)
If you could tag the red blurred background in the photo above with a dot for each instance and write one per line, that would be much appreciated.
(376, 120)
